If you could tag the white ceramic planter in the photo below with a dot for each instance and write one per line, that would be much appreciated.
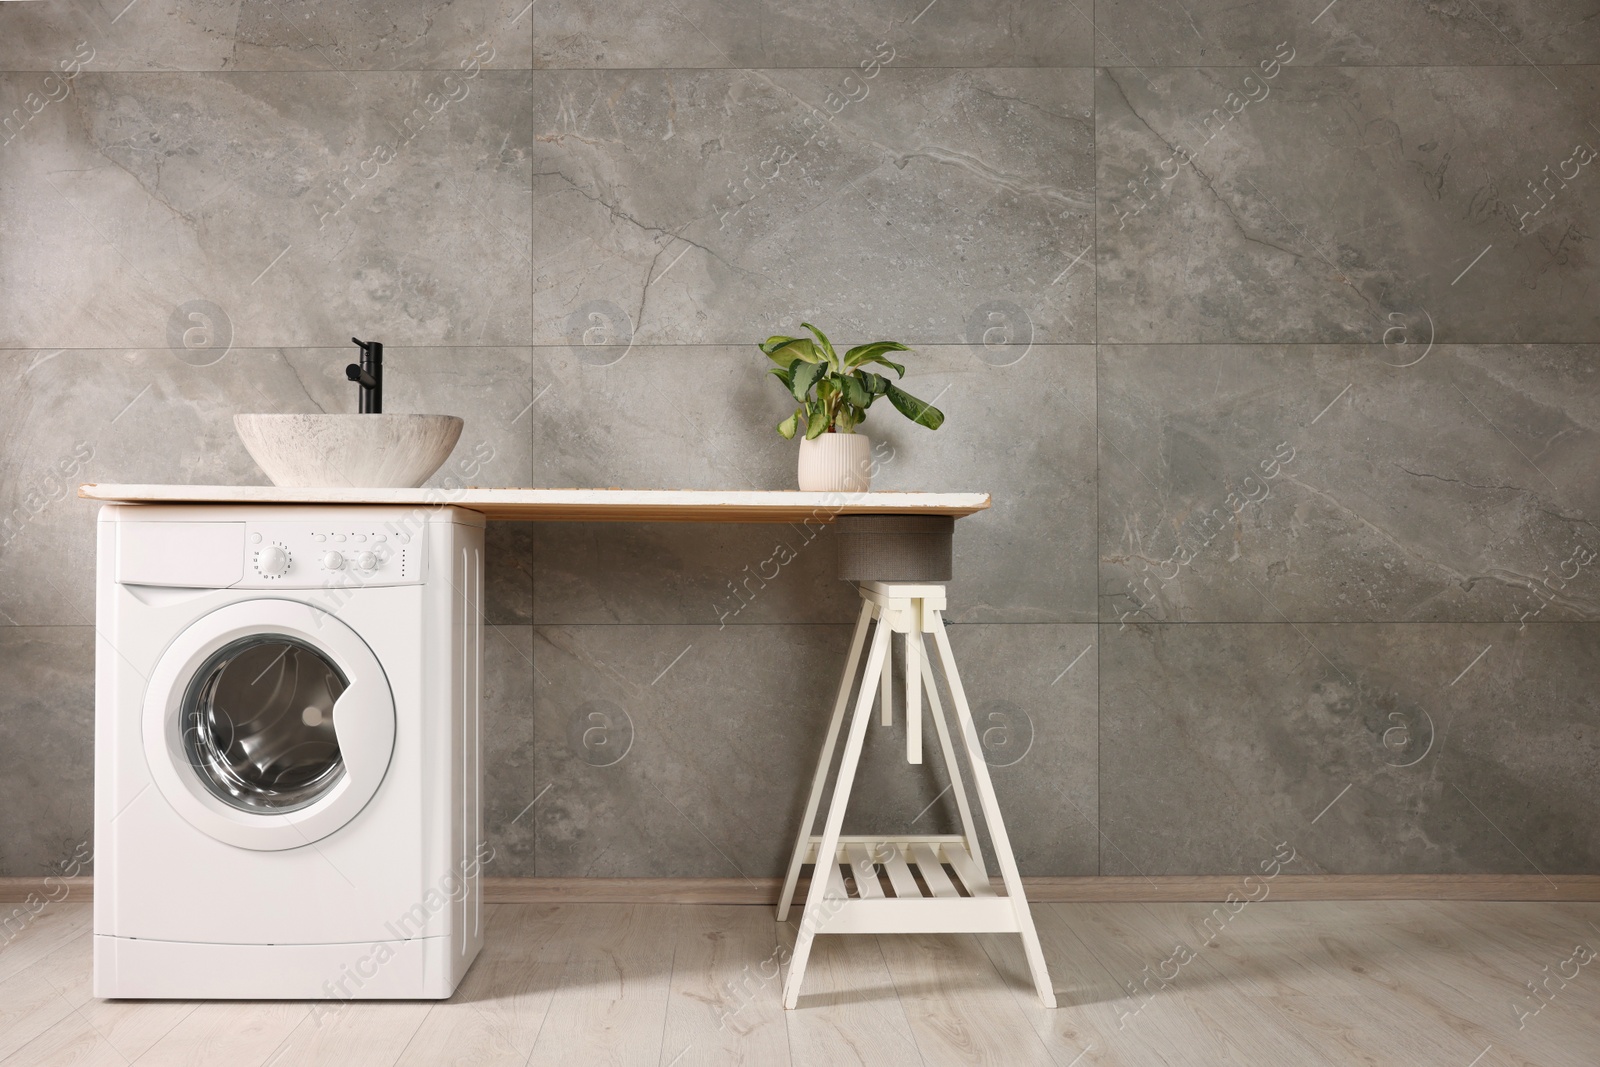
(836, 463)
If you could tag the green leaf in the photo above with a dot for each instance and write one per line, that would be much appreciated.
(771, 344)
(898, 369)
(856, 393)
(804, 376)
(918, 411)
(817, 423)
(787, 427)
(792, 349)
(876, 384)
(869, 352)
(784, 375)
(827, 345)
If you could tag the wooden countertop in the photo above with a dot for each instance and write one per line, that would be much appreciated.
(572, 505)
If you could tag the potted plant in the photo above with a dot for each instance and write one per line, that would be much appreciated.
(834, 394)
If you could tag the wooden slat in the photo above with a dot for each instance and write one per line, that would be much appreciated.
(905, 886)
(1086, 889)
(923, 915)
(976, 882)
(866, 873)
(878, 840)
(836, 888)
(571, 505)
(933, 875)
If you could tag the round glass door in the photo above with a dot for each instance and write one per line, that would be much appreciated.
(268, 724)
(258, 723)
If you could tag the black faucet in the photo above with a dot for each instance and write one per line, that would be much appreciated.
(369, 375)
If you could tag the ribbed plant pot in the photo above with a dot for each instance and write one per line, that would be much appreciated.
(836, 463)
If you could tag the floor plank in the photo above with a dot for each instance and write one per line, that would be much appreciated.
(722, 1007)
(71, 1042)
(495, 1016)
(227, 1031)
(612, 1002)
(960, 1007)
(1316, 984)
(129, 1026)
(850, 1011)
(372, 1033)
(53, 927)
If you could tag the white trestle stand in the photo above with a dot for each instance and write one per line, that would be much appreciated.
(864, 905)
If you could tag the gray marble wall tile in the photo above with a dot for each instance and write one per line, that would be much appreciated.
(508, 573)
(143, 415)
(137, 195)
(1216, 742)
(197, 35)
(166, 415)
(673, 750)
(1355, 483)
(684, 750)
(650, 420)
(1034, 692)
(814, 33)
(507, 750)
(1164, 33)
(46, 745)
(1343, 203)
(714, 206)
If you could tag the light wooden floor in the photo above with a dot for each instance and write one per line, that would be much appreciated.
(579, 984)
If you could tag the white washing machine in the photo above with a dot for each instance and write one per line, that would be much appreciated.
(286, 752)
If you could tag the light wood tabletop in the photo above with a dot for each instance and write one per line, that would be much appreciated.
(571, 505)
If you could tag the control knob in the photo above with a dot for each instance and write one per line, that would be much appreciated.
(272, 561)
(333, 561)
(366, 561)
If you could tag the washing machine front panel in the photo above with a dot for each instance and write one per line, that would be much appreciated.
(339, 555)
(268, 724)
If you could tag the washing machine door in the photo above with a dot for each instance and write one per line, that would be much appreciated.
(268, 724)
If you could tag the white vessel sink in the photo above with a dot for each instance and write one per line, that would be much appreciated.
(354, 451)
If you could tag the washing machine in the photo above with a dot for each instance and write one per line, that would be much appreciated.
(286, 751)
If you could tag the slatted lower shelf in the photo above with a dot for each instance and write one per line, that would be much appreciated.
(922, 895)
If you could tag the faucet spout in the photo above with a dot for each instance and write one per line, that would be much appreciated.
(368, 376)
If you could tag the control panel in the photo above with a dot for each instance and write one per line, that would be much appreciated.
(304, 555)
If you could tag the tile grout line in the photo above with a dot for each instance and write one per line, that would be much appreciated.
(563, 346)
(846, 67)
(1099, 632)
(533, 569)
